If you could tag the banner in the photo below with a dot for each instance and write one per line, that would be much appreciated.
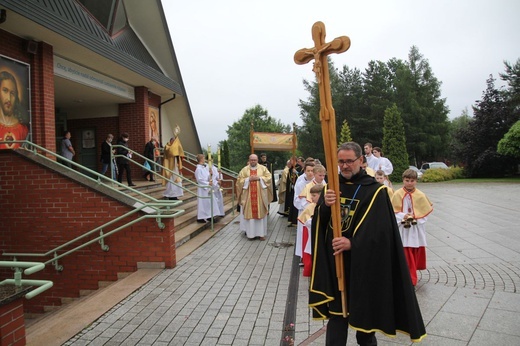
(273, 141)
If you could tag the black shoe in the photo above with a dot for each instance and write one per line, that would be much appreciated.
(173, 198)
(152, 180)
(132, 185)
(201, 221)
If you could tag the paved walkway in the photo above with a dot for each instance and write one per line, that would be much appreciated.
(232, 291)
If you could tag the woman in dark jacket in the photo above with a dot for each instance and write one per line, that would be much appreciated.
(122, 161)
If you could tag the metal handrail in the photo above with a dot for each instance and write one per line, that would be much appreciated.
(32, 267)
(155, 205)
(139, 206)
(193, 157)
(99, 239)
(178, 175)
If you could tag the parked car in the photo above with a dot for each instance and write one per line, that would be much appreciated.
(419, 173)
(429, 165)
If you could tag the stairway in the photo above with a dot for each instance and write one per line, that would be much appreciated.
(54, 327)
(186, 227)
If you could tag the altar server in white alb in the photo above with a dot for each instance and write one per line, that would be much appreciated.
(217, 192)
(412, 207)
(300, 202)
(383, 163)
(204, 191)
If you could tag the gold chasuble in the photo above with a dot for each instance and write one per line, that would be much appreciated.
(173, 154)
(254, 199)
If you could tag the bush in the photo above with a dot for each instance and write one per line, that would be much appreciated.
(439, 174)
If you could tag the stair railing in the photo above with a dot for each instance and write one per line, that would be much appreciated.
(31, 267)
(190, 156)
(156, 206)
(100, 239)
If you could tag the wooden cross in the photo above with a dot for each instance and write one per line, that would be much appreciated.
(319, 53)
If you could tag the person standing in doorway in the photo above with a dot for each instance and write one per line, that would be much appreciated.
(106, 155)
(67, 151)
(123, 154)
(149, 152)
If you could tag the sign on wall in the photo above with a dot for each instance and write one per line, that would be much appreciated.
(80, 74)
(15, 106)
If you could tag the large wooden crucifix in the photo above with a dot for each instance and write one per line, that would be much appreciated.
(319, 53)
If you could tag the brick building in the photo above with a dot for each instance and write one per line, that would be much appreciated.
(91, 68)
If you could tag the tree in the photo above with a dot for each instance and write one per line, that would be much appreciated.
(362, 98)
(425, 113)
(345, 133)
(510, 144)
(512, 77)
(377, 96)
(239, 134)
(310, 139)
(224, 152)
(349, 102)
(456, 147)
(492, 119)
(394, 141)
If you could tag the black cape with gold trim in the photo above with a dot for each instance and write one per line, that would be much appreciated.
(380, 295)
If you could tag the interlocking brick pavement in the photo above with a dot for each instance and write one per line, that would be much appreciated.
(232, 291)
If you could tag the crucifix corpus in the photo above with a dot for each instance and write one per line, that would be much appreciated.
(319, 53)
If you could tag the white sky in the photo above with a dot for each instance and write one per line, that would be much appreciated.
(234, 54)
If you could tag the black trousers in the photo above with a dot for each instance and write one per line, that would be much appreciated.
(124, 167)
(337, 333)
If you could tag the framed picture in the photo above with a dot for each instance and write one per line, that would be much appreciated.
(15, 102)
(153, 120)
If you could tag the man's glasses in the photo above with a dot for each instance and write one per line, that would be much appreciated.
(347, 162)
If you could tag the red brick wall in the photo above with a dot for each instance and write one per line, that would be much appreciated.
(42, 209)
(12, 323)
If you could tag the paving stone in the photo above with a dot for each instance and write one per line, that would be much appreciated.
(232, 291)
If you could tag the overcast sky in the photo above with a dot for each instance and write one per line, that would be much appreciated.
(235, 54)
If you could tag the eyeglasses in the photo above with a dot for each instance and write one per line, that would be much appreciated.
(347, 162)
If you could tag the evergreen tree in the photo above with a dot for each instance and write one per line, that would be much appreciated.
(378, 96)
(310, 139)
(362, 98)
(350, 102)
(425, 112)
(345, 133)
(394, 142)
(512, 77)
(224, 152)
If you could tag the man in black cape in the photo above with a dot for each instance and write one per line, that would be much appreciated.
(263, 161)
(380, 295)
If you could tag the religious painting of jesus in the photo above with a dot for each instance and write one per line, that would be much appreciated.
(15, 105)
